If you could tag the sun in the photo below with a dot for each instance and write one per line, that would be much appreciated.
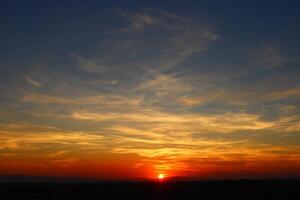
(161, 176)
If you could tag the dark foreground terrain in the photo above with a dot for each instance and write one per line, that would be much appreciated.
(150, 190)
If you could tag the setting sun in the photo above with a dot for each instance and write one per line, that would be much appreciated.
(161, 176)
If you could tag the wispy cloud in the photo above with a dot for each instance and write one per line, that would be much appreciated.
(140, 20)
(32, 81)
(179, 38)
(269, 56)
(116, 100)
(291, 92)
(57, 154)
(192, 122)
(39, 137)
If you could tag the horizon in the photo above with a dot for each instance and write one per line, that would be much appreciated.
(72, 179)
(117, 90)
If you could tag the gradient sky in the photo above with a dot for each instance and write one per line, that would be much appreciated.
(128, 89)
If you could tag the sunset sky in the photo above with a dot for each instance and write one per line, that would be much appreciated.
(134, 89)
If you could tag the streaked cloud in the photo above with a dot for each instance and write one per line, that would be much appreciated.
(100, 99)
(32, 81)
(291, 92)
(180, 38)
(270, 56)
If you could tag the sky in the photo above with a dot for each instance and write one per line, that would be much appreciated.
(133, 89)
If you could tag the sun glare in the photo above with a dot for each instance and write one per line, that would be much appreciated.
(161, 176)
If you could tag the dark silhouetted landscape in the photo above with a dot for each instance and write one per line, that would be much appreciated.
(52, 188)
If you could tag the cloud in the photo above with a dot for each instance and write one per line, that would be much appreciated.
(228, 122)
(289, 123)
(291, 92)
(269, 56)
(57, 154)
(33, 82)
(160, 88)
(30, 137)
(191, 100)
(46, 99)
(113, 100)
(153, 39)
(252, 96)
(140, 20)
